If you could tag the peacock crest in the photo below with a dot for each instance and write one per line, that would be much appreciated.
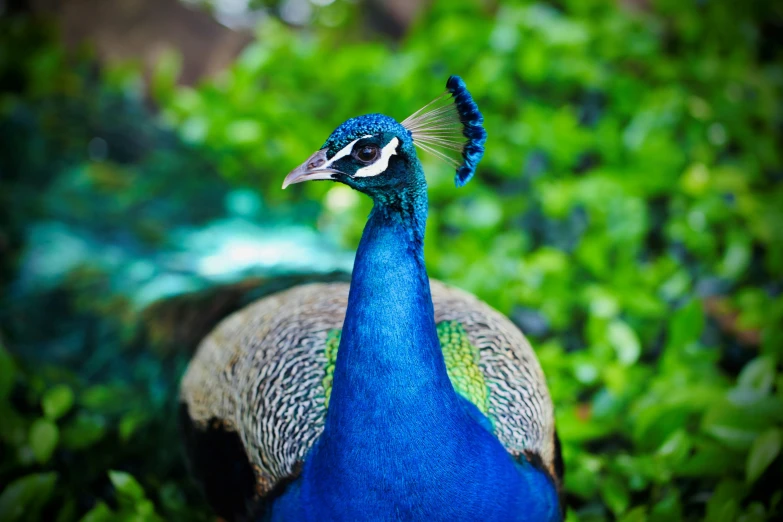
(451, 128)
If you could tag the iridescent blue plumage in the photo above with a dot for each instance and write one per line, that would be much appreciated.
(473, 129)
(369, 124)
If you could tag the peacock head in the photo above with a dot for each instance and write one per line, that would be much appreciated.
(376, 154)
(372, 154)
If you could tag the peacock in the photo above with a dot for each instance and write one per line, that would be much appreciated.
(394, 397)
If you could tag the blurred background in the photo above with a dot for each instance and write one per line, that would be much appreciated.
(628, 216)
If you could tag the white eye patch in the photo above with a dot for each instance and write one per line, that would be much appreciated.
(343, 152)
(381, 163)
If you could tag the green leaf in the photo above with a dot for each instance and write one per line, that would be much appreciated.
(711, 460)
(24, 498)
(625, 342)
(615, 494)
(737, 256)
(668, 508)
(686, 325)
(126, 486)
(763, 452)
(130, 423)
(57, 401)
(167, 70)
(83, 431)
(244, 132)
(723, 505)
(758, 375)
(637, 514)
(106, 399)
(676, 448)
(99, 513)
(736, 438)
(43, 439)
(581, 481)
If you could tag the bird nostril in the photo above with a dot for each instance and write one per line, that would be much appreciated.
(315, 163)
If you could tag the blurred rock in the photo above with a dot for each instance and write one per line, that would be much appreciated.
(141, 30)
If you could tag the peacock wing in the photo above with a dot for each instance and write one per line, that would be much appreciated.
(257, 379)
(491, 364)
(259, 383)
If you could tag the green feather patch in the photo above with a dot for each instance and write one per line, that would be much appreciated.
(462, 363)
(332, 344)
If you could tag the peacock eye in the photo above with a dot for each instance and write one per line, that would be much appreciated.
(366, 153)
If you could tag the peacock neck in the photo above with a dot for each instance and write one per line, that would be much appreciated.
(390, 381)
(398, 442)
(389, 362)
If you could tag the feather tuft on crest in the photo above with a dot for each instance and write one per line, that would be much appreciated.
(451, 128)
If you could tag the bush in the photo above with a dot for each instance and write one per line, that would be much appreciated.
(628, 215)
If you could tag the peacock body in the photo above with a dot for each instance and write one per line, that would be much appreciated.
(392, 398)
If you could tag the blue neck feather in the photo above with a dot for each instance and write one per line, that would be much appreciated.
(398, 439)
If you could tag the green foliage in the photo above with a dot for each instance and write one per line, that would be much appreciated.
(628, 216)
(57, 401)
(132, 502)
(628, 208)
(67, 422)
(763, 452)
(77, 432)
(23, 498)
(44, 436)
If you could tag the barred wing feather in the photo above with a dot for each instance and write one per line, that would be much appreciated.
(260, 375)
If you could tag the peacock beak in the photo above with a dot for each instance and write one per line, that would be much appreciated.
(316, 167)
